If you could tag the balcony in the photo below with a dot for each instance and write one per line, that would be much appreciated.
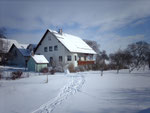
(85, 62)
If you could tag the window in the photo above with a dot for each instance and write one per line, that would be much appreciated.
(51, 61)
(50, 48)
(60, 58)
(68, 58)
(84, 58)
(79, 58)
(75, 58)
(56, 48)
(45, 49)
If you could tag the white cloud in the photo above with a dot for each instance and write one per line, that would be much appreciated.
(112, 42)
(107, 15)
(27, 38)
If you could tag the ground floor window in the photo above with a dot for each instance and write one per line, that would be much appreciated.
(51, 61)
(69, 58)
(60, 58)
(75, 58)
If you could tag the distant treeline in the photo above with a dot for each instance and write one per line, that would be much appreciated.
(134, 56)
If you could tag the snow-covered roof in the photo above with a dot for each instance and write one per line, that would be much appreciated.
(22, 46)
(9, 42)
(24, 52)
(40, 59)
(73, 43)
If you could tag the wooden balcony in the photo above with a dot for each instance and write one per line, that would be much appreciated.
(85, 62)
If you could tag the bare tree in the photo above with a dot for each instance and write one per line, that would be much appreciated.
(3, 46)
(94, 45)
(119, 59)
(148, 59)
(140, 54)
(100, 60)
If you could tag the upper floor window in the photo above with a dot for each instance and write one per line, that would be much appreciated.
(68, 58)
(56, 48)
(60, 58)
(50, 48)
(45, 49)
(51, 61)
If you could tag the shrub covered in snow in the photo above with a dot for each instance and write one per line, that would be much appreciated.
(52, 71)
(44, 70)
(16, 74)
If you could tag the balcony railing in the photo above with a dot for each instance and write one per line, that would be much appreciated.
(85, 62)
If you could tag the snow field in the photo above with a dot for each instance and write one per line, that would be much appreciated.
(74, 85)
(83, 92)
(111, 93)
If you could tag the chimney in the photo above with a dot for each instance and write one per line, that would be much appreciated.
(32, 53)
(60, 31)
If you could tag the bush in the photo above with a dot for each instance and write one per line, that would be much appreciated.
(71, 68)
(44, 70)
(16, 74)
(81, 68)
(52, 71)
(59, 69)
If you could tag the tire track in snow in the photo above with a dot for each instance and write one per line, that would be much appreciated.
(71, 88)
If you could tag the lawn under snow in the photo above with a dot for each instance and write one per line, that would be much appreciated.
(83, 92)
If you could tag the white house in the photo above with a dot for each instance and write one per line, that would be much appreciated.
(62, 48)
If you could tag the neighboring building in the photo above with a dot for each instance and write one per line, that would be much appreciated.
(31, 47)
(18, 56)
(5, 45)
(37, 63)
(61, 48)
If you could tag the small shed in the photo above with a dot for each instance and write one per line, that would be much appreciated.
(37, 63)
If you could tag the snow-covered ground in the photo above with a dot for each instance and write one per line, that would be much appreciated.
(83, 92)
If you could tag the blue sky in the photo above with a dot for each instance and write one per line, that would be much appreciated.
(112, 23)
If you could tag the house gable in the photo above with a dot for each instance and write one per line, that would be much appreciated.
(50, 43)
(16, 57)
(44, 36)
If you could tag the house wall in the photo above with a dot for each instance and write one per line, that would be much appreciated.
(50, 40)
(39, 67)
(31, 64)
(17, 58)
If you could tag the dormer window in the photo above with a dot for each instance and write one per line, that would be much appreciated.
(56, 48)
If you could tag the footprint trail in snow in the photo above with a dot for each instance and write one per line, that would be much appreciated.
(71, 88)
